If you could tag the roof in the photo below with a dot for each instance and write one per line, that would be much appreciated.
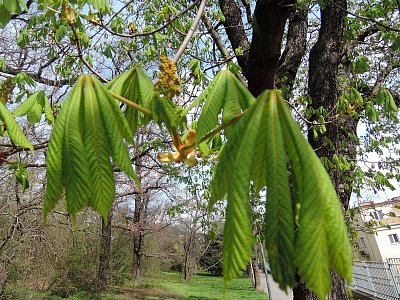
(390, 220)
(370, 204)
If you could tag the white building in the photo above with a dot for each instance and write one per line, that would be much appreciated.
(378, 226)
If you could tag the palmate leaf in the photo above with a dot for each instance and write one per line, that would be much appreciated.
(279, 221)
(13, 129)
(34, 106)
(225, 93)
(321, 237)
(165, 112)
(232, 177)
(136, 86)
(260, 148)
(88, 132)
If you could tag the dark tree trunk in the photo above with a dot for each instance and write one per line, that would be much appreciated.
(235, 31)
(188, 263)
(268, 28)
(3, 279)
(338, 290)
(137, 256)
(256, 269)
(325, 57)
(295, 49)
(138, 217)
(105, 244)
(258, 60)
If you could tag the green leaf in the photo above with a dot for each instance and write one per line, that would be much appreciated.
(165, 112)
(137, 87)
(321, 237)
(311, 240)
(13, 129)
(22, 3)
(3, 66)
(96, 146)
(26, 106)
(117, 133)
(354, 96)
(280, 220)
(23, 38)
(22, 78)
(55, 187)
(21, 174)
(225, 93)
(35, 113)
(33, 107)
(232, 177)
(361, 65)
(75, 168)
(88, 133)
(11, 5)
(48, 112)
(5, 16)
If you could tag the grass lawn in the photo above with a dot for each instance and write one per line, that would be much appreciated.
(206, 287)
(166, 286)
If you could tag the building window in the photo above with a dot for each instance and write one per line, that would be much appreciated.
(394, 238)
(377, 215)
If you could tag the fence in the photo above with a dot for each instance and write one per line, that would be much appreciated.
(379, 280)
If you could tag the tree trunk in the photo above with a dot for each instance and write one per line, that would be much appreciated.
(137, 256)
(105, 244)
(188, 263)
(338, 290)
(295, 49)
(139, 217)
(256, 269)
(325, 57)
(3, 279)
(137, 238)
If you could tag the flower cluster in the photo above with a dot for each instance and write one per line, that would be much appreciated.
(168, 83)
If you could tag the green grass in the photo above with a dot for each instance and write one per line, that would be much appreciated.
(206, 287)
(166, 286)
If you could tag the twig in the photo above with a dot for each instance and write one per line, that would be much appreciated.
(190, 32)
(80, 55)
(130, 103)
(147, 33)
(221, 47)
(215, 131)
(364, 18)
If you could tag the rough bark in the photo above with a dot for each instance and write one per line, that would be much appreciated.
(295, 49)
(338, 290)
(325, 57)
(258, 60)
(138, 217)
(235, 30)
(256, 269)
(188, 263)
(3, 279)
(268, 28)
(105, 246)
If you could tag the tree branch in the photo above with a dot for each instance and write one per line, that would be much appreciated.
(147, 33)
(190, 32)
(294, 52)
(220, 45)
(236, 34)
(269, 22)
